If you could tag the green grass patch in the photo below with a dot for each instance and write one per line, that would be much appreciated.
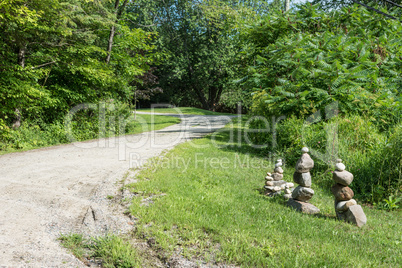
(183, 110)
(110, 251)
(215, 210)
(37, 135)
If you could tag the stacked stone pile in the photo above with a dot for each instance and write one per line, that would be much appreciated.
(346, 207)
(274, 182)
(303, 193)
(302, 176)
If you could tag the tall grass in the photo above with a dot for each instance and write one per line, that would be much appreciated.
(374, 157)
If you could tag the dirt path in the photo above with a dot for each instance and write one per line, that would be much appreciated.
(64, 189)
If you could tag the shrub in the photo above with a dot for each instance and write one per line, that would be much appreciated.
(373, 157)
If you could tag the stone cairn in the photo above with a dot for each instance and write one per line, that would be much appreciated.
(303, 193)
(274, 182)
(346, 207)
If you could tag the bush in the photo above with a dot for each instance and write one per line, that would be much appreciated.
(302, 61)
(86, 124)
(373, 157)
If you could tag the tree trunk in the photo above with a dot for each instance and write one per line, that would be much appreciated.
(118, 11)
(214, 97)
(287, 5)
(201, 97)
(21, 62)
(21, 56)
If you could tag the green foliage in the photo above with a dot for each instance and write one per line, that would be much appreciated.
(392, 203)
(52, 55)
(112, 250)
(222, 216)
(374, 157)
(74, 243)
(200, 45)
(302, 61)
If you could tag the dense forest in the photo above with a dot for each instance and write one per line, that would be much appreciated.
(56, 54)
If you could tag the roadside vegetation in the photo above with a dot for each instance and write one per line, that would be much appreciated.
(325, 74)
(223, 215)
(109, 252)
(84, 126)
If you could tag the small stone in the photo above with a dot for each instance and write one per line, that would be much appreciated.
(269, 183)
(342, 177)
(304, 150)
(304, 164)
(341, 192)
(277, 188)
(303, 206)
(277, 176)
(278, 170)
(290, 185)
(355, 215)
(279, 160)
(278, 164)
(338, 160)
(302, 193)
(283, 186)
(268, 178)
(269, 188)
(269, 174)
(304, 179)
(344, 205)
(288, 191)
(287, 196)
(279, 183)
(340, 167)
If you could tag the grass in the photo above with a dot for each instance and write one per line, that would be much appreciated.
(111, 251)
(214, 210)
(33, 136)
(183, 110)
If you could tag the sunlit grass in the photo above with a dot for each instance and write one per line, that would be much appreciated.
(214, 209)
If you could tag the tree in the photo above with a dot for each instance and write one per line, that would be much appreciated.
(197, 39)
(305, 61)
(53, 52)
(336, 4)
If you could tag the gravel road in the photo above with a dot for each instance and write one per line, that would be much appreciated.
(63, 189)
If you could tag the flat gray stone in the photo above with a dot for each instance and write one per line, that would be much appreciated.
(269, 183)
(273, 188)
(303, 206)
(304, 179)
(278, 170)
(355, 215)
(342, 177)
(344, 205)
(290, 184)
(277, 176)
(304, 164)
(279, 183)
(302, 193)
(287, 196)
(278, 164)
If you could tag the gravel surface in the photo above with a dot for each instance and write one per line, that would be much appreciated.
(63, 189)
